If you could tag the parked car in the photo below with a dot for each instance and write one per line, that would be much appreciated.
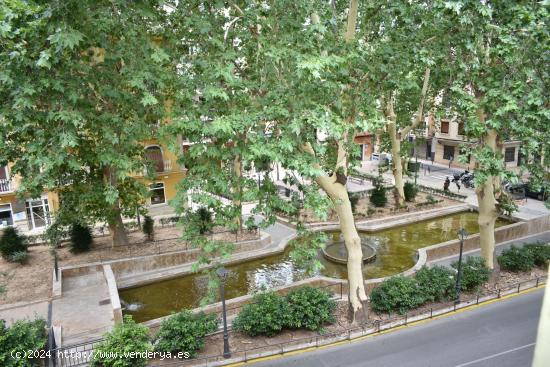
(517, 191)
(541, 194)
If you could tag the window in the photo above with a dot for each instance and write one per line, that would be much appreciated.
(38, 213)
(157, 193)
(510, 154)
(445, 127)
(6, 217)
(153, 154)
(4, 179)
(448, 152)
(461, 128)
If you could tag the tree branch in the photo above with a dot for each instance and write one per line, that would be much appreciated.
(420, 112)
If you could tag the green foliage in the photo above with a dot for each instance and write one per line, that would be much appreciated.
(267, 315)
(474, 273)
(517, 259)
(124, 338)
(22, 336)
(310, 308)
(11, 242)
(540, 253)
(410, 190)
(203, 220)
(19, 257)
(149, 228)
(353, 199)
(185, 332)
(378, 196)
(430, 199)
(81, 238)
(436, 283)
(87, 88)
(396, 294)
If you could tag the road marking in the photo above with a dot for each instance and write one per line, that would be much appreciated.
(495, 355)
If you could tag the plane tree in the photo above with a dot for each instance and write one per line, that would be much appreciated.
(82, 84)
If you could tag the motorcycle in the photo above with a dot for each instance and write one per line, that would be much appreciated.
(467, 179)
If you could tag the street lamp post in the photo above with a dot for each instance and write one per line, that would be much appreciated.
(462, 234)
(222, 275)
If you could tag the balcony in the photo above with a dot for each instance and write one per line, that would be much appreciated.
(5, 186)
(158, 166)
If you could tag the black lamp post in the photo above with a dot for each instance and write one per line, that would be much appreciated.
(222, 274)
(462, 234)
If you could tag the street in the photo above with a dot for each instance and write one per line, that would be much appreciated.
(499, 334)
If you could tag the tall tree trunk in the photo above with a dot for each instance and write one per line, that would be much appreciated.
(237, 168)
(357, 296)
(397, 165)
(116, 226)
(488, 212)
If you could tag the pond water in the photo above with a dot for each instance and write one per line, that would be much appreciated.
(395, 247)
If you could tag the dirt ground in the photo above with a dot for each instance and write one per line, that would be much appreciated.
(365, 210)
(33, 280)
(241, 342)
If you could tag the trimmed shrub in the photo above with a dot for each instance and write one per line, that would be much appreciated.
(540, 252)
(517, 259)
(396, 294)
(410, 190)
(125, 337)
(149, 228)
(81, 238)
(378, 196)
(474, 273)
(11, 242)
(436, 283)
(23, 335)
(310, 308)
(185, 332)
(267, 315)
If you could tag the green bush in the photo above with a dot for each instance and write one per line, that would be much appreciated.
(410, 190)
(474, 273)
(540, 252)
(23, 335)
(81, 238)
(185, 332)
(11, 242)
(353, 199)
(203, 218)
(267, 315)
(378, 196)
(125, 337)
(19, 257)
(517, 259)
(396, 294)
(310, 308)
(436, 283)
(149, 228)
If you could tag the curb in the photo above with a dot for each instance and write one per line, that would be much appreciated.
(386, 331)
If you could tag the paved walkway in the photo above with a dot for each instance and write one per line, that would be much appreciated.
(84, 311)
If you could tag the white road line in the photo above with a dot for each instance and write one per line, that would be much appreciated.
(495, 355)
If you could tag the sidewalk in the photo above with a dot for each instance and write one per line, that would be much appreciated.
(433, 175)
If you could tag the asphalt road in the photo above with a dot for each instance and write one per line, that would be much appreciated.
(501, 334)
